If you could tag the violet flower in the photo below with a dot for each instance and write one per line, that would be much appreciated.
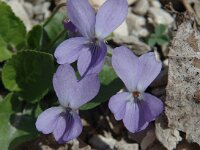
(90, 49)
(63, 121)
(135, 107)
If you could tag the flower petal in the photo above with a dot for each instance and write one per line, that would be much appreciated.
(64, 81)
(133, 118)
(47, 120)
(126, 65)
(86, 89)
(149, 70)
(68, 25)
(152, 106)
(82, 15)
(60, 128)
(74, 126)
(69, 50)
(91, 61)
(117, 104)
(110, 15)
(84, 60)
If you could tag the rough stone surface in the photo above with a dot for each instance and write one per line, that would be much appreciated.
(159, 16)
(167, 136)
(122, 145)
(132, 42)
(183, 90)
(20, 12)
(122, 30)
(136, 25)
(141, 7)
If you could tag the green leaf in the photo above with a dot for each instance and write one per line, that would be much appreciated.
(160, 29)
(29, 73)
(12, 30)
(110, 85)
(14, 128)
(161, 41)
(38, 38)
(152, 41)
(4, 52)
(55, 30)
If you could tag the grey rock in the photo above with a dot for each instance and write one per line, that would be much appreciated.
(133, 43)
(155, 3)
(20, 12)
(123, 145)
(159, 16)
(122, 30)
(101, 142)
(169, 137)
(183, 90)
(141, 7)
(136, 25)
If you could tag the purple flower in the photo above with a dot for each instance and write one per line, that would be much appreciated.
(90, 49)
(63, 121)
(135, 107)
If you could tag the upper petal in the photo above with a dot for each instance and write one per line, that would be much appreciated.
(82, 15)
(68, 51)
(149, 70)
(126, 65)
(85, 90)
(64, 81)
(117, 104)
(74, 126)
(47, 120)
(133, 119)
(91, 60)
(110, 15)
(152, 106)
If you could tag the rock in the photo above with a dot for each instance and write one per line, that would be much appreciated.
(135, 21)
(96, 3)
(136, 25)
(29, 9)
(132, 42)
(148, 139)
(141, 7)
(75, 144)
(159, 16)
(123, 145)
(141, 32)
(155, 3)
(122, 30)
(139, 136)
(100, 142)
(169, 137)
(131, 2)
(182, 102)
(21, 13)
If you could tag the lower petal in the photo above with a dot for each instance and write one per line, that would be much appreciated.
(60, 129)
(117, 104)
(134, 118)
(47, 120)
(74, 126)
(84, 60)
(152, 105)
(92, 60)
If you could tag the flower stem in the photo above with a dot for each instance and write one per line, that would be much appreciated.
(57, 38)
(54, 13)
